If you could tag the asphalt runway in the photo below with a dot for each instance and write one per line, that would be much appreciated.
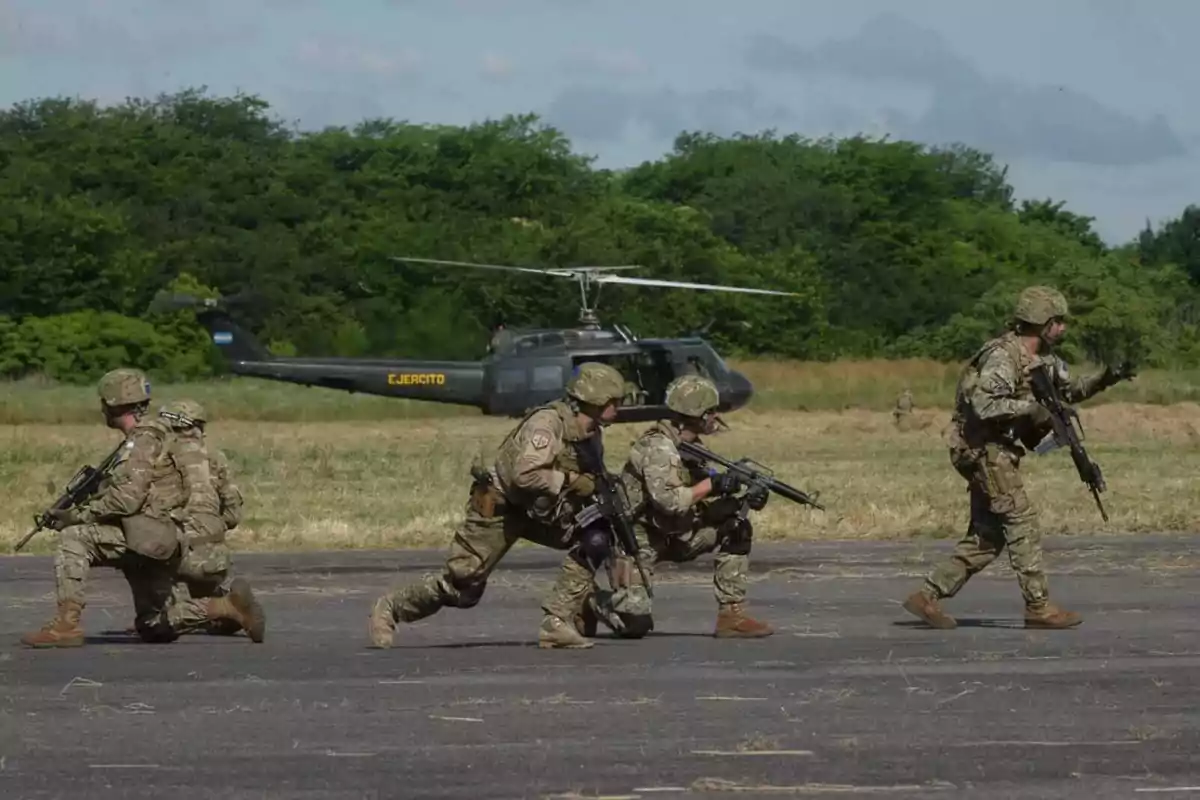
(851, 697)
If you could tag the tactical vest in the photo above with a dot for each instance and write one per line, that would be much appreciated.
(566, 460)
(152, 531)
(971, 431)
(634, 483)
(201, 514)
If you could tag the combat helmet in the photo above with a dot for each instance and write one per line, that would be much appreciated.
(1037, 305)
(124, 387)
(183, 414)
(692, 395)
(596, 384)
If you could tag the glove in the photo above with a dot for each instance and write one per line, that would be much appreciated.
(1038, 416)
(582, 484)
(64, 518)
(724, 483)
(757, 498)
(1114, 375)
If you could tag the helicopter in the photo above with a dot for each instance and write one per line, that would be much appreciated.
(523, 368)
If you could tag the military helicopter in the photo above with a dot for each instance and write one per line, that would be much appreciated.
(523, 367)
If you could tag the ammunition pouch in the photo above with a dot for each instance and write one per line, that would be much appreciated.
(154, 538)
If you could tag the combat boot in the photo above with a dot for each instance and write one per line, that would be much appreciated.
(921, 605)
(62, 631)
(732, 623)
(586, 621)
(241, 607)
(555, 633)
(1048, 615)
(382, 623)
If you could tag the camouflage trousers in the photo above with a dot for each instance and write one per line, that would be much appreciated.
(203, 572)
(82, 547)
(628, 604)
(1001, 516)
(476, 549)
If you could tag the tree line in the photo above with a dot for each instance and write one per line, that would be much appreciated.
(894, 249)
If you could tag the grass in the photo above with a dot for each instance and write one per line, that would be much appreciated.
(395, 482)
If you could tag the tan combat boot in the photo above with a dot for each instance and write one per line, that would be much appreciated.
(382, 623)
(926, 608)
(241, 607)
(732, 623)
(555, 633)
(1048, 615)
(62, 631)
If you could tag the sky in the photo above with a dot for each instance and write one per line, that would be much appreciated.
(1086, 101)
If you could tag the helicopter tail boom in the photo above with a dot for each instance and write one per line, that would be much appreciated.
(454, 382)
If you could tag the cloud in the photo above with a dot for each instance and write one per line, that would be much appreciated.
(496, 67)
(1012, 120)
(351, 56)
(92, 30)
(601, 114)
(616, 63)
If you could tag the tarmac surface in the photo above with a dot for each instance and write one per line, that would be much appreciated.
(850, 697)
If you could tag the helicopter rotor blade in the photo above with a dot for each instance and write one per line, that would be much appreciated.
(559, 272)
(502, 267)
(683, 285)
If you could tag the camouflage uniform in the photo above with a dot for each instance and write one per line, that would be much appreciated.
(202, 597)
(995, 418)
(671, 526)
(126, 525)
(532, 492)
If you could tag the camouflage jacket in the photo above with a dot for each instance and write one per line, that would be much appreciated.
(534, 459)
(213, 503)
(144, 481)
(994, 398)
(657, 483)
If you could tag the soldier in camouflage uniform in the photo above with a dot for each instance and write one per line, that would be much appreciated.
(995, 418)
(203, 598)
(126, 525)
(681, 513)
(532, 491)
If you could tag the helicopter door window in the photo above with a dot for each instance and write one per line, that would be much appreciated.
(510, 380)
(548, 378)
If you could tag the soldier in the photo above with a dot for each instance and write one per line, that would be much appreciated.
(902, 411)
(681, 513)
(126, 524)
(203, 598)
(532, 492)
(994, 414)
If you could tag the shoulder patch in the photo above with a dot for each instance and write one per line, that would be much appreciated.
(540, 440)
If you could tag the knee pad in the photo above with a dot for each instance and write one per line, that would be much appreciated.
(738, 539)
(635, 625)
(594, 547)
(157, 633)
(465, 594)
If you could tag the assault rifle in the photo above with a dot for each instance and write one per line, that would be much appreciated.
(79, 489)
(610, 504)
(750, 473)
(1063, 419)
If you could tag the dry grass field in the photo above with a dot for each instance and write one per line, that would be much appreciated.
(402, 482)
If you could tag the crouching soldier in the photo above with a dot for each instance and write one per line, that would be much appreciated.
(203, 598)
(532, 491)
(127, 524)
(681, 513)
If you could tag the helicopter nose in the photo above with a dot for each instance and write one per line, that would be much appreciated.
(740, 390)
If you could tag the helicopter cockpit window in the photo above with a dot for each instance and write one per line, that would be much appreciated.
(697, 367)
